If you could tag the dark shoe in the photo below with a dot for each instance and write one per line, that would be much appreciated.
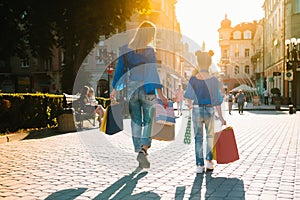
(143, 160)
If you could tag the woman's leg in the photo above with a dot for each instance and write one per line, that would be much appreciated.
(148, 108)
(210, 131)
(136, 121)
(178, 107)
(198, 132)
(181, 103)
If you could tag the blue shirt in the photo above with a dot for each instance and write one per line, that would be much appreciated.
(240, 97)
(141, 66)
(204, 92)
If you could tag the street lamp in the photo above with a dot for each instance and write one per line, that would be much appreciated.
(293, 59)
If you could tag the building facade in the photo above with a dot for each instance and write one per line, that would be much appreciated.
(31, 74)
(274, 48)
(236, 50)
(281, 35)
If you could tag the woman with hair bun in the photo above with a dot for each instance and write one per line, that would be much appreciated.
(204, 97)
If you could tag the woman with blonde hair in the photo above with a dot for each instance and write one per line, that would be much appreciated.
(136, 68)
(204, 97)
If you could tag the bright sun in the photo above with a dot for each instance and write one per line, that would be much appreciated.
(201, 20)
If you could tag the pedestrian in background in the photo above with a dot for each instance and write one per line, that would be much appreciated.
(230, 101)
(203, 95)
(240, 99)
(179, 99)
(98, 109)
(266, 97)
(144, 83)
(89, 104)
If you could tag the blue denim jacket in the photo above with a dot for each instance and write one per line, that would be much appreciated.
(141, 67)
(204, 92)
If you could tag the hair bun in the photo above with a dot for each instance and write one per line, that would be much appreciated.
(198, 53)
(210, 52)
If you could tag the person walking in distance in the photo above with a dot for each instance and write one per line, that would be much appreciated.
(179, 99)
(143, 83)
(203, 95)
(240, 99)
(266, 97)
(230, 101)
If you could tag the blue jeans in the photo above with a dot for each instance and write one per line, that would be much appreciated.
(203, 115)
(141, 108)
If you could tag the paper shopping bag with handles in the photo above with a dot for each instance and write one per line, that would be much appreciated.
(162, 131)
(225, 149)
(112, 122)
(104, 121)
(164, 115)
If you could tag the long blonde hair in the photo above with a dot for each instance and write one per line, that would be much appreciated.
(143, 36)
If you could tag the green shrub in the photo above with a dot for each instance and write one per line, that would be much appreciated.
(29, 111)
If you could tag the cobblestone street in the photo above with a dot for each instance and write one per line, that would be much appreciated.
(91, 165)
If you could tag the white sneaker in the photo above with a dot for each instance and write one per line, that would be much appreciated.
(200, 169)
(209, 165)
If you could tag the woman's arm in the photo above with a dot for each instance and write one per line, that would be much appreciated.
(220, 114)
(162, 97)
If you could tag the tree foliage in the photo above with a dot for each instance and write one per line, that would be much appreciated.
(73, 26)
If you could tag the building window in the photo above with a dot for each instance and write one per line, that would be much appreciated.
(101, 56)
(221, 36)
(237, 35)
(247, 53)
(25, 62)
(236, 70)
(247, 69)
(297, 6)
(101, 40)
(236, 53)
(225, 53)
(247, 35)
(62, 58)
(48, 64)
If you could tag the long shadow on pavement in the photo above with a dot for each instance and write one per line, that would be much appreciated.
(216, 188)
(42, 133)
(268, 112)
(67, 194)
(124, 186)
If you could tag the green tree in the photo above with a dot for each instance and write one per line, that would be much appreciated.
(73, 26)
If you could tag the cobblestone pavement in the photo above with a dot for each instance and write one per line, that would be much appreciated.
(91, 165)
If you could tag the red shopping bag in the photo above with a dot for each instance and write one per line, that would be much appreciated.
(225, 148)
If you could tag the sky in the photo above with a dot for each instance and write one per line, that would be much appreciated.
(200, 20)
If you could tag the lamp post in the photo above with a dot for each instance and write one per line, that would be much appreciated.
(293, 58)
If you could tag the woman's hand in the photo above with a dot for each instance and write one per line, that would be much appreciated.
(164, 101)
(223, 122)
(162, 97)
(113, 94)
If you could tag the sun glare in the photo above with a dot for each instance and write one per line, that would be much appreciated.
(200, 20)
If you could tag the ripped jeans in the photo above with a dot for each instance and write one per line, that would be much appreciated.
(141, 108)
(203, 116)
